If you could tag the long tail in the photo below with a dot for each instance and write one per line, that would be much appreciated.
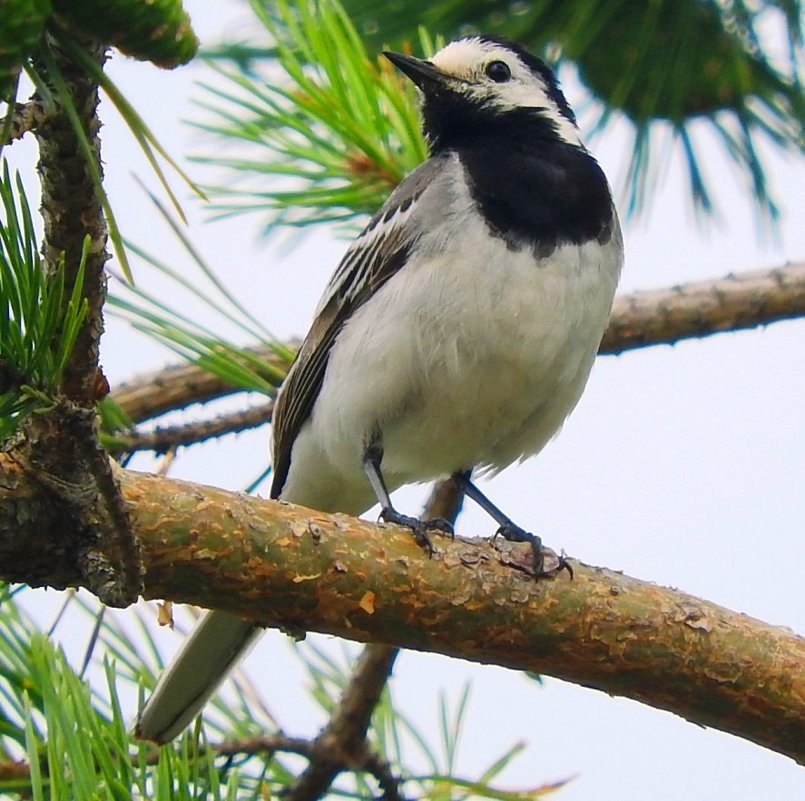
(216, 644)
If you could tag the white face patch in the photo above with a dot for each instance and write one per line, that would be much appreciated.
(467, 60)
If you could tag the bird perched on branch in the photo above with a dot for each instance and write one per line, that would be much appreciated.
(457, 332)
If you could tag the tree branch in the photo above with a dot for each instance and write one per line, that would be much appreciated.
(61, 447)
(20, 770)
(61, 454)
(25, 117)
(366, 761)
(295, 569)
(704, 308)
(169, 438)
(178, 386)
(641, 319)
(71, 203)
(342, 742)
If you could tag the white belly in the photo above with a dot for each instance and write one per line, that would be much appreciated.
(456, 367)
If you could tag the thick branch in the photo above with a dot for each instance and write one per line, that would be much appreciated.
(71, 207)
(61, 447)
(653, 317)
(287, 567)
(61, 454)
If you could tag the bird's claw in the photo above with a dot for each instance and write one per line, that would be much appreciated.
(440, 524)
(419, 528)
(514, 533)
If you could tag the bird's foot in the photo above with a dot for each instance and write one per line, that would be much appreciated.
(419, 528)
(440, 524)
(513, 533)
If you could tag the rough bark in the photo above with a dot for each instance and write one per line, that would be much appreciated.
(75, 482)
(299, 570)
(60, 447)
(71, 206)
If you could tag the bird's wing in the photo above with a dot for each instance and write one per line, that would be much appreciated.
(371, 260)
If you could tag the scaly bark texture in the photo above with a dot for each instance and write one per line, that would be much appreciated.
(71, 208)
(60, 448)
(24, 118)
(288, 567)
(62, 457)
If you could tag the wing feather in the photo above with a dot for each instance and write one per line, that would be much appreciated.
(373, 258)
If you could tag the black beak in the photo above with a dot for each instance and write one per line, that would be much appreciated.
(421, 72)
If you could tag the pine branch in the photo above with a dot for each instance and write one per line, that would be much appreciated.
(363, 760)
(71, 203)
(177, 386)
(25, 117)
(62, 455)
(169, 438)
(61, 447)
(342, 741)
(641, 319)
(288, 567)
(704, 308)
(267, 744)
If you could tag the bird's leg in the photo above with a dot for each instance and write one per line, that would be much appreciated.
(507, 528)
(372, 457)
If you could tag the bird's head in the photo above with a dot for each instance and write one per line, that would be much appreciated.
(476, 82)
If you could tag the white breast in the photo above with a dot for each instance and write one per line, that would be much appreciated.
(469, 356)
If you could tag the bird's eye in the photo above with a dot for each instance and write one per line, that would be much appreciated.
(498, 71)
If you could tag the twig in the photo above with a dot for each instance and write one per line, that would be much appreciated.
(166, 462)
(170, 438)
(342, 742)
(20, 770)
(703, 308)
(641, 319)
(25, 117)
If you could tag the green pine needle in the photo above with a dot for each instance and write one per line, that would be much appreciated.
(165, 323)
(327, 139)
(75, 735)
(38, 326)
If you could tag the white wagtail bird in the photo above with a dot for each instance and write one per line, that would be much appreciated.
(457, 332)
